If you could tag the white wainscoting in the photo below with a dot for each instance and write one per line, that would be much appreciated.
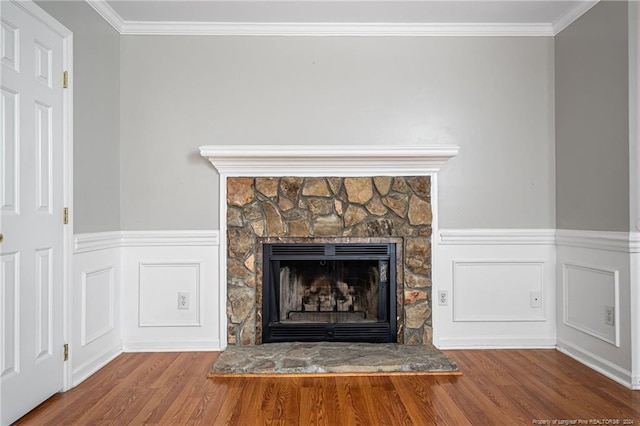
(157, 267)
(500, 288)
(96, 328)
(594, 272)
(126, 284)
(635, 308)
(587, 292)
(125, 289)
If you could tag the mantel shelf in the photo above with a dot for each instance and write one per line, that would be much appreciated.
(328, 160)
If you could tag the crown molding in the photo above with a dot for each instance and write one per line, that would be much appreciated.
(340, 29)
(38, 13)
(108, 14)
(328, 160)
(581, 7)
(334, 29)
(318, 29)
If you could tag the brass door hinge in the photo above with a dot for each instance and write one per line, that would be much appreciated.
(65, 79)
(66, 352)
(65, 216)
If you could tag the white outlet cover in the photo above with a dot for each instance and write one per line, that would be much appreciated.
(536, 299)
(443, 297)
(610, 315)
(183, 300)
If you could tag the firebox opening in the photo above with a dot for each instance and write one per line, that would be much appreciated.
(329, 292)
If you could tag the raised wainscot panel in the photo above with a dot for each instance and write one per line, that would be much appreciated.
(169, 294)
(98, 295)
(591, 301)
(498, 291)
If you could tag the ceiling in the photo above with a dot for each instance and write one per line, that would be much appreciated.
(534, 17)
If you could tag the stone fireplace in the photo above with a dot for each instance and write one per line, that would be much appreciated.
(340, 195)
(328, 210)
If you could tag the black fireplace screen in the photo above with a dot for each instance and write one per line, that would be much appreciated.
(332, 292)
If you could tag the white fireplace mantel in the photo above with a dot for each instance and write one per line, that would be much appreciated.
(327, 160)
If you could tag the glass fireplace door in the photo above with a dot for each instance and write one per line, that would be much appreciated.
(323, 296)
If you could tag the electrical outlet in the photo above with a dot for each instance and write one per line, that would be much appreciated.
(535, 299)
(443, 297)
(609, 315)
(183, 300)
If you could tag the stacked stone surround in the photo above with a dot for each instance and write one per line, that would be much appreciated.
(328, 209)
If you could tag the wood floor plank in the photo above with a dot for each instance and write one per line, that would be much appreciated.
(345, 398)
(387, 399)
(319, 402)
(209, 403)
(447, 412)
(227, 406)
(308, 410)
(176, 392)
(289, 401)
(414, 398)
(498, 387)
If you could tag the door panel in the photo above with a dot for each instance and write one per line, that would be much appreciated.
(10, 187)
(31, 196)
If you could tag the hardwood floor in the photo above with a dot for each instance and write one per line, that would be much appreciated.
(499, 387)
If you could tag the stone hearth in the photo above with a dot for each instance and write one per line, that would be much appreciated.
(330, 358)
(328, 209)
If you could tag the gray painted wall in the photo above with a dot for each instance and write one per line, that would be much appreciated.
(491, 96)
(96, 119)
(592, 116)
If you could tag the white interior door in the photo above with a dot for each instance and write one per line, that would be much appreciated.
(31, 207)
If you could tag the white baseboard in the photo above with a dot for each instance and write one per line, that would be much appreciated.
(601, 365)
(87, 369)
(169, 345)
(506, 342)
(635, 381)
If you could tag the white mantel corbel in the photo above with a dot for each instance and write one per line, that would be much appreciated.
(328, 160)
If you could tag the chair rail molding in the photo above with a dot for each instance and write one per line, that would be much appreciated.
(88, 242)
